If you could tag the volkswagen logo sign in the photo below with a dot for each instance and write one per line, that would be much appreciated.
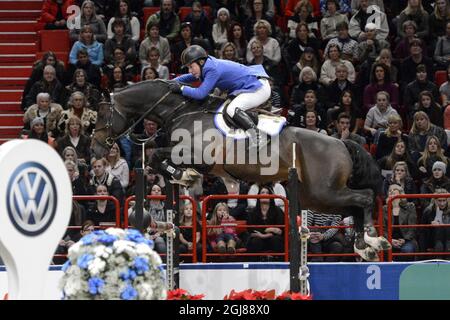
(31, 198)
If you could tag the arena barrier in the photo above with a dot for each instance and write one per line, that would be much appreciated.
(390, 226)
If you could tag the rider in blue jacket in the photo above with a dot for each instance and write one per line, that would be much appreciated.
(249, 84)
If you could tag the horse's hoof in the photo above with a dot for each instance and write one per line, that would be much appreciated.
(371, 231)
(385, 245)
(368, 254)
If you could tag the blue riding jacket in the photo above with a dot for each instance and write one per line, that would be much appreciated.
(226, 75)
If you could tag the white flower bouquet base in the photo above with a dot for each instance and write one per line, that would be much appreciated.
(113, 264)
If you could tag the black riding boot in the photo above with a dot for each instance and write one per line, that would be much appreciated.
(168, 169)
(246, 123)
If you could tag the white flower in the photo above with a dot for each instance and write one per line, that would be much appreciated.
(116, 232)
(96, 266)
(143, 249)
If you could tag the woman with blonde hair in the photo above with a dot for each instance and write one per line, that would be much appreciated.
(385, 57)
(87, 41)
(76, 139)
(90, 17)
(401, 176)
(307, 59)
(421, 129)
(118, 166)
(229, 52)
(390, 136)
(272, 50)
(431, 153)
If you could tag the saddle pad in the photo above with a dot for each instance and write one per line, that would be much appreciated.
(271, 125)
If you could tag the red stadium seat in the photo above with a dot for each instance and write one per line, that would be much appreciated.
(54, 40)
(183, 12)
(440, 77)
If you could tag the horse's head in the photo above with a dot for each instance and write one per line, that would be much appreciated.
(102, 136)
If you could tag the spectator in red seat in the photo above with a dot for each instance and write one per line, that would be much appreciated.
(347, 104)
(432, 152)
(297, 116)
(437, 239)
(348, 46)
(414, 88)
(303, 13)
(268, 239)
(408, 68)
(38, 132)
(336, 89)
(343, 130)
(400, 152)
(79, 106)
(256, 12)
(54, 14)
(220, 28)
(77, 180)
(102, 177)
(186, 234)
(229, 52)
(186, 40)
(83, 62)
(307, 80)
(436, 180)
(371, 47)
(377, 117)
(153, 39)
(345, 5)
(380, 81)
(296, 47)
(132, 25)
(272, 69)
(118, 166)
(390, 136)
(290, 7)
(120, 39)
(222, 239)
(402, 49)
(272, 50)
(379, 3)
(80, 83)
(49, 84)
(149, 73)
(101, 210)
(312, 122)
(74, 137)
(87, 42)
(421, 130)
(49, 58)
(428, 105)
(122, 62)
(236, 36)
(331, 19)
(444, 90)
(153, 60)
(439, 19)
(201, 26)
(403, 213)
(70, 154)
(328, 70)
(49, 112)
(117, 79)
(414, 11)
(89, 16)
(385, 57)
(168, 20)
(307, 59)
(400, 175)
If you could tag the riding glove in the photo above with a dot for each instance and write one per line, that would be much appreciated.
(175, 87)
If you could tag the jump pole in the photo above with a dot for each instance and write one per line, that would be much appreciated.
(173, 243)
(294, 253)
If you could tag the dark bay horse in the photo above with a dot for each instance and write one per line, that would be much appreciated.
(335, 177)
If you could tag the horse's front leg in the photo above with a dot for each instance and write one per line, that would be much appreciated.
(371, 237)
(160, 161)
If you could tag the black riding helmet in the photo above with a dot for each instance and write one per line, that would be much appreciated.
(193, 54)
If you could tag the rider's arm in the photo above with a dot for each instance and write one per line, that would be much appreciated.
(211, 77)
(185, 78)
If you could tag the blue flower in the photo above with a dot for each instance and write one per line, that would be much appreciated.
(129, 293)
(106, 238)
(150, 243)
(95, 285)
(84, 260)
(88, 239)
(66, 266)
(141, 265)
(134, 236)
(128, 275)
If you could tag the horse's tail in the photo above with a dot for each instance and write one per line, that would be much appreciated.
(365, 172)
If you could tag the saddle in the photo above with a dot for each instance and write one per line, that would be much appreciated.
(253, 113)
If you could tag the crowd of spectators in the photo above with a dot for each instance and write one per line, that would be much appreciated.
(352, 69)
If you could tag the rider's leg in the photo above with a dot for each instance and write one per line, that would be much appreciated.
(245, 101)
(161, 163)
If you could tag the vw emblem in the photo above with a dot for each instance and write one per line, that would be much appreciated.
(31, 198)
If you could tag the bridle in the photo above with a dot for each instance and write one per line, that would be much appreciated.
(110, 139)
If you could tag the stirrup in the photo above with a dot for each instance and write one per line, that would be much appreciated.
(188, 178)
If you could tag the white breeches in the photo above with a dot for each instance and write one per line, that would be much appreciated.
(248, 100)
